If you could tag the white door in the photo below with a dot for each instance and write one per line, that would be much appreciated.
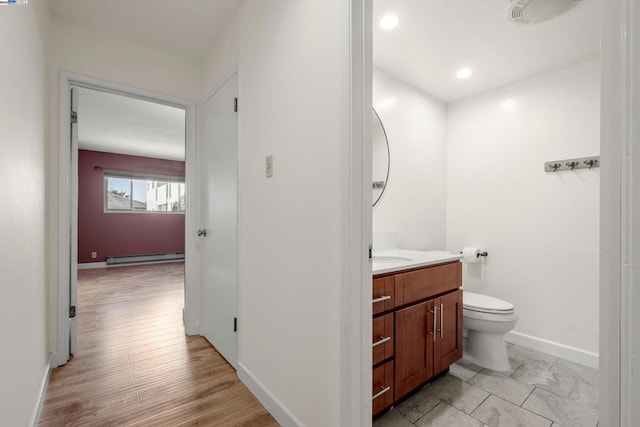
(73, 264)
(219, 246)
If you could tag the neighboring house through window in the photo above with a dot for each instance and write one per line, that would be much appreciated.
(143, 194)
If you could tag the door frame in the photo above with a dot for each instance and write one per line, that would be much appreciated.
(355, 292)
(619, 228)
(67, 195)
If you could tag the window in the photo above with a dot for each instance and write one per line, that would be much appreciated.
(143, 194)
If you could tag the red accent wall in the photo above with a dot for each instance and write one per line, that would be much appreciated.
(118, 233)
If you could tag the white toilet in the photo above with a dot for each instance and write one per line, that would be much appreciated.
(485, 322)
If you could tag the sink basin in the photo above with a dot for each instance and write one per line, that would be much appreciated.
(390, 258)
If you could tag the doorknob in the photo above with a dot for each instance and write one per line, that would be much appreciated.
(202, 232)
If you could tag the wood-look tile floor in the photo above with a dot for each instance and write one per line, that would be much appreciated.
(134, 364)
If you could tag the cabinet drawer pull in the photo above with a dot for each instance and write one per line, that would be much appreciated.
(381, 392)
(441, 320)
(382, 298)
(435, 323)
(381, 341)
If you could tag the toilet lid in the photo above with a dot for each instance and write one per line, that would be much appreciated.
(484, 303)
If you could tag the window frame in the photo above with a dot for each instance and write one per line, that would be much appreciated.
(158, 181)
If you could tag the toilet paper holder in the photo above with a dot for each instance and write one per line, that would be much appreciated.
(483, 253)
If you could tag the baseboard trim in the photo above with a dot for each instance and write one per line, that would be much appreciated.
(275, 407)
(89, 265)
(35, 416)
(561, 351)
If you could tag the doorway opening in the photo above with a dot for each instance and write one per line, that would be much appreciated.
(130, 193)
(133, 204)
(475, 117)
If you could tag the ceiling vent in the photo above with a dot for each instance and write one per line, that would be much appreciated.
(528, 12)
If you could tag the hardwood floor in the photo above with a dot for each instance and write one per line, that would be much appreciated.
(134, 364)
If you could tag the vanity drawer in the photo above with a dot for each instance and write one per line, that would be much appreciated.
(382, 388)
(382, 341)
(427, 282)
(383, 294)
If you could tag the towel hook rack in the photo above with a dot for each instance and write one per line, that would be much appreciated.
(572, 164)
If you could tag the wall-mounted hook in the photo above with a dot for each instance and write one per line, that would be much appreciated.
(554, 166)
(591, 163)
(572, 165)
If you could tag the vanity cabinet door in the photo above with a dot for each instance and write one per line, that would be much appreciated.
(414, 347)
(448, 344)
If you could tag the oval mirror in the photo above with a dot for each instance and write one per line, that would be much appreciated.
(381, 157)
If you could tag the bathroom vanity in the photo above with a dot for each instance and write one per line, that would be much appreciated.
(417, 321)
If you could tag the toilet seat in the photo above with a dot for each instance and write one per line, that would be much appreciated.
(485, 304)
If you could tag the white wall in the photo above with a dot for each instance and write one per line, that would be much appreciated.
(414, 201)
(93, 53)
(291, 64)
(97, 54)
(541, 229)
(222, 57)
(23, 141)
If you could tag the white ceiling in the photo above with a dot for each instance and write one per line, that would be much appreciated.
(187, 28)
(119, 124)
(435, 38)
(182, 27)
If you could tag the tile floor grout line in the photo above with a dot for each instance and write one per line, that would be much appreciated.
(528, 396)
(425, 414)
(483, 400)
(474, 417)
(534, 412)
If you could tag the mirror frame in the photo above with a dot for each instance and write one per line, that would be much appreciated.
(386, 179)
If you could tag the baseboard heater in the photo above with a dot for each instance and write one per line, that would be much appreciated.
(132, 259)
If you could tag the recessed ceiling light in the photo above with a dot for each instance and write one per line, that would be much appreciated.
(389, 21)
(464, 73)
(509, 104)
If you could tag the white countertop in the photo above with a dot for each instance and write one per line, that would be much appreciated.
(391, 260)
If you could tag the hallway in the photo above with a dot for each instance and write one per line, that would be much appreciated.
(134, 364)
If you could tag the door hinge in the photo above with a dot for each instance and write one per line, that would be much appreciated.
(74, 117)
(235, 105)
(370, 252)
(235, 324)
(72, 312)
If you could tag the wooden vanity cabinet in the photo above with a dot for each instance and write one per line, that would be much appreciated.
(417, 329)
(428, 340)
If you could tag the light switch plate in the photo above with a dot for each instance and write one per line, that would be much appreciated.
(269, 165)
